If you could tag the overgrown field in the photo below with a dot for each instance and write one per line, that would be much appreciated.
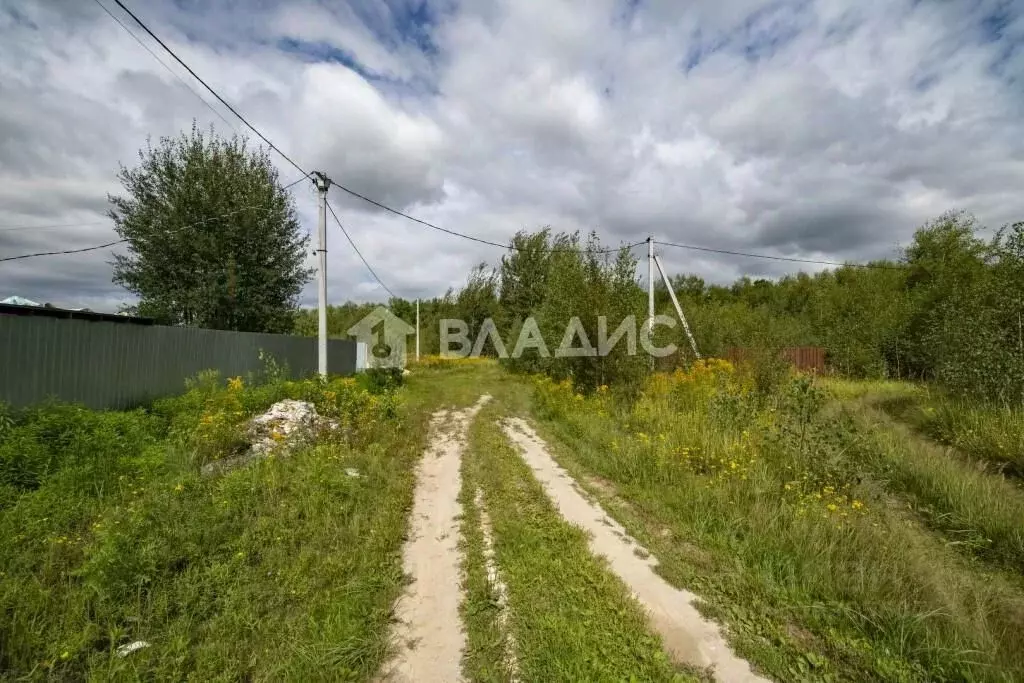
(282, 569)
(839, 530)
(834, 541)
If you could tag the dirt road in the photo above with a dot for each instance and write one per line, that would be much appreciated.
(429, 635)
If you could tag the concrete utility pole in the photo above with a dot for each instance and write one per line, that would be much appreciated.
(650, 289)
(679, 309)
(650, 283)
(417, 329)
(322, 184)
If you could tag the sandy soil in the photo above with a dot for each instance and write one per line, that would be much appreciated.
(429, 635)
(688, 637)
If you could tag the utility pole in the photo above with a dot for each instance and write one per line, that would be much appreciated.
(650, 283)
(417, 329)
(322, 184)
(650, 289)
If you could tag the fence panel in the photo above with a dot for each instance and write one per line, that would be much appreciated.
(804, 358)
(121, 365)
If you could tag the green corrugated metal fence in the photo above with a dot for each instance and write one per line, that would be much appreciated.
(122, 365)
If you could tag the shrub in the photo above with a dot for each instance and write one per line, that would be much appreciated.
(383, 379)
(46, 439)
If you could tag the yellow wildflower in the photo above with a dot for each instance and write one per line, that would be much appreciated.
(235, 384)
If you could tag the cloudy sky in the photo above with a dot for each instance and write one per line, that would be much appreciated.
(823, 129)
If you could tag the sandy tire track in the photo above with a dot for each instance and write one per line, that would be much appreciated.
(688, 637)
(429, 635)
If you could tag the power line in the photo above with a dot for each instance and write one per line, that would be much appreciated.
(777, 258)
(164, 65)
(13, 228)
(122, 241)
(463, 235)
(289, 160)
(372, 201)
(358, 253)
(417, 220)
(67, 251)
(205, 85)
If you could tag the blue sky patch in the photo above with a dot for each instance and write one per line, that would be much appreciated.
(324, 52)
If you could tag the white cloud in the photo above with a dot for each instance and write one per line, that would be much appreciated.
(821, 128)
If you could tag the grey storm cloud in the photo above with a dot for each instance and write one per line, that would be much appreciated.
(823, 129)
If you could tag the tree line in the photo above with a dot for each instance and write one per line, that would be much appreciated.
(950, 309)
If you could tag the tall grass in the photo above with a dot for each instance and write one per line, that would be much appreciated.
(988, 433)
(764, 505)
(111, 535)
(979, 513)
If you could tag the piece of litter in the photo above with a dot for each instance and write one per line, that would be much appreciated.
(352, 472)
(128, 648)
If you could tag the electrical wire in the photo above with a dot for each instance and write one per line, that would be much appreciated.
(372, 201)
(387, 208)
(359, 253)
(164, 65)
(777, 258)
(57, 253)
(13, 228)
(302, 170)
(206, 85)
(122, 241)
(416, 220)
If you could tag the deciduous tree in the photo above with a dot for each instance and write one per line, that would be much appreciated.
(213, 238)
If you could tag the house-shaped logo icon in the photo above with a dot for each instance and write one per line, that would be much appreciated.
(384, 334)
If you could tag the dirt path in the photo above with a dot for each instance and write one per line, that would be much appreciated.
(689, 638)
(429, 634)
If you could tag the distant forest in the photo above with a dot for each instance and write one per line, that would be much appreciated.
(949, 309)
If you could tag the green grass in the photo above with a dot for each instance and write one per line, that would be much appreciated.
(571, 618)
(992, 436)
(485, 657)
(808, 555)
(833, 542)
(979, 513)
(285, 569)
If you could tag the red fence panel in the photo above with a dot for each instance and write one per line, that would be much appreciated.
(804, 358)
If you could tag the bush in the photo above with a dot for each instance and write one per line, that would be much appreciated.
(49, 438)
(765, 370)
(380, 380)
